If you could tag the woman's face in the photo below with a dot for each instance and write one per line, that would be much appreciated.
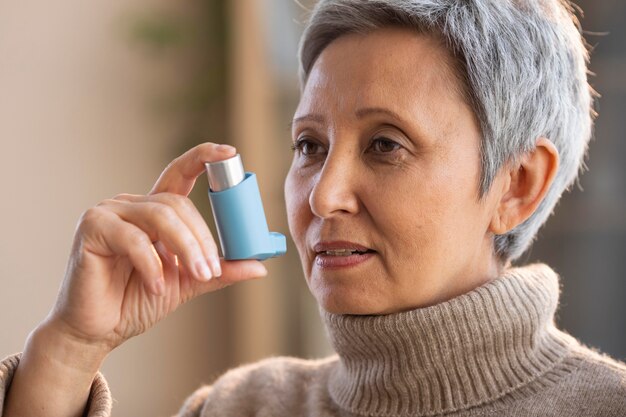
(382, 194)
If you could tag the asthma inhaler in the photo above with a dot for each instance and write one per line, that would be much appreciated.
(238, 213)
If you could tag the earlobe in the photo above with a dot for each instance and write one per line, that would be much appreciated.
(498, 222)
(525, 185)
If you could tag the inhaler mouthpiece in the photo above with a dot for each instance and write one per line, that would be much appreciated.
(238, 213)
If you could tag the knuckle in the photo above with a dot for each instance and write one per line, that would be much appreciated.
(190, 242)
(137, 239)
(92, 214)
(180, 203)
(107, 202)
(90, 219)
(122, 196)
(174, 199)
(185, 203)
(163, 211)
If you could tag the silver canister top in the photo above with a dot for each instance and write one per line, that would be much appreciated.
(225, 174)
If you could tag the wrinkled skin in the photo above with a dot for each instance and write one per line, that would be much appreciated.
(387, 156)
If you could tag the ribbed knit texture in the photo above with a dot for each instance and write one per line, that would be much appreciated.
(491, 352)
(454, 355)
(98, 403)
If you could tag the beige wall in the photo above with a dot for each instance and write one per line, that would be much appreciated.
(77, 126)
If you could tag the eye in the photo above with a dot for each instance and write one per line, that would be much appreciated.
(384, 145)
(307, 147)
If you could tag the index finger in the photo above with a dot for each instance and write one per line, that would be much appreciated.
(181, 174)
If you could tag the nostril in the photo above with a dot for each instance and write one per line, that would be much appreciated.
(330, 197)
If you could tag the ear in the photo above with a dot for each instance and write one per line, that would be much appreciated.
(524, 186)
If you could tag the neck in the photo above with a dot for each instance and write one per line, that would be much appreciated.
(456, 354)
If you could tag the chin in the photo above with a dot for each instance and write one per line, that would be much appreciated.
(350, 301)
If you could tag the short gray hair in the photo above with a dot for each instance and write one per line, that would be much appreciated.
(524, 63)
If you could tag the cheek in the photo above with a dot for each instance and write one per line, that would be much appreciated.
(297, 203)
(400, 210)
(410, 223)
(420, 211)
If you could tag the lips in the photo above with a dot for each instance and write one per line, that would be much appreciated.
(338, 254)
(340, 246)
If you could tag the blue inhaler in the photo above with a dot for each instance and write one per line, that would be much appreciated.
(238, 213)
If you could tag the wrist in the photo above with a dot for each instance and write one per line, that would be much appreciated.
(53, 342)
(55, 374)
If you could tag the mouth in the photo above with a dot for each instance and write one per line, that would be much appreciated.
(340, 248)
(338, 254)
(344, 252)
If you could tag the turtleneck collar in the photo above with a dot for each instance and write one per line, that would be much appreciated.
(451, 356)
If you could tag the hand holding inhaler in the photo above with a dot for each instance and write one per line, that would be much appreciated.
(134, 260)
(238, 212)
(131, 252)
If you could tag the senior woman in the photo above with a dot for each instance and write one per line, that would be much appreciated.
(432, 140)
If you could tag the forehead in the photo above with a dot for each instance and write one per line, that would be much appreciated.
(390, 67)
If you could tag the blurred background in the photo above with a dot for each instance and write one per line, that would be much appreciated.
(97, 97)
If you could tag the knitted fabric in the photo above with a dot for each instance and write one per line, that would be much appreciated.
(494, 351)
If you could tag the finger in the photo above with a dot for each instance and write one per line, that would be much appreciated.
(233, 272)
(236, 271)
(169, 261)
(189, 214)
(107, 234)
(173, 270)
(162, 223)
(181, 174)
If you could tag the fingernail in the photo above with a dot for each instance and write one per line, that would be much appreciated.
(225, 148)
(203, 270)
(217, 268)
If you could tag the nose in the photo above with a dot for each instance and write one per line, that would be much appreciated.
(335, 189)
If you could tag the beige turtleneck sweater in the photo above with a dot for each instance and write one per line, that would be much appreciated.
(491, 352)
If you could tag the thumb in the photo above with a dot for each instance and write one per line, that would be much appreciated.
(232, 272)
(235, 271)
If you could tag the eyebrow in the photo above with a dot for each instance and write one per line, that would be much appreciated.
(360, 114)
(313, 117)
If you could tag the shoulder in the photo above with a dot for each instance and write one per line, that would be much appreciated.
(600, 374)
(584, 383)
(595, 385)
(282, 373)
(282, 382)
